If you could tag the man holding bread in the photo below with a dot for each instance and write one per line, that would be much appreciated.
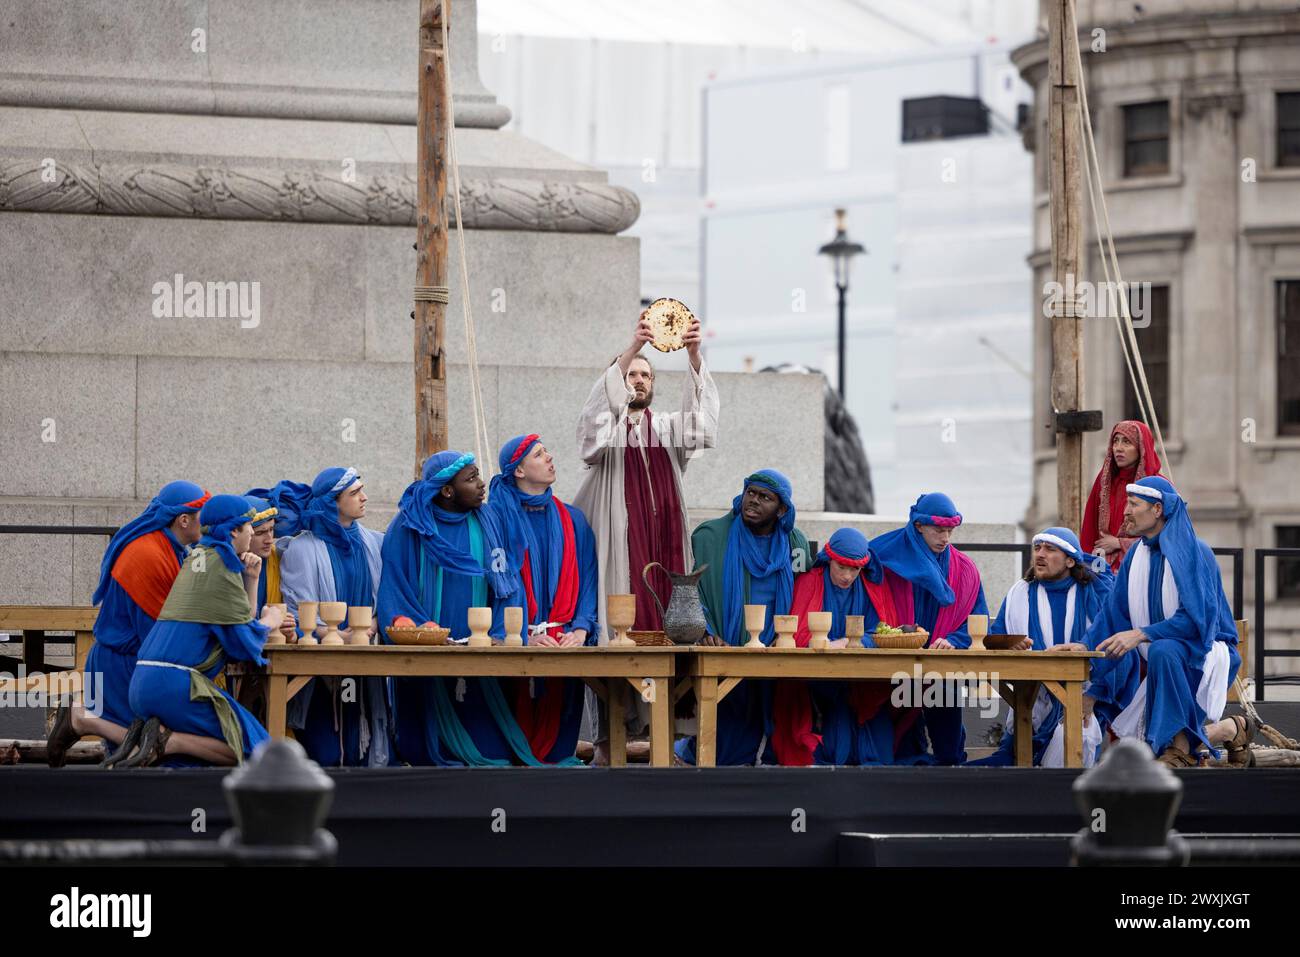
(631, 490)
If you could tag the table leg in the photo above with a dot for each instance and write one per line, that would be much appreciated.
(1073, 724)
(706, 710)
(277, 699)
(1025, 693)
(661, 724)
(617, 689)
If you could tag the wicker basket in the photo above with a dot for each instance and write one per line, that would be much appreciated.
(909, 641)
(419, 636)
(650, 638)
(1002, 642)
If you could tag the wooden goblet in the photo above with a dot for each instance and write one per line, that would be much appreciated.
(360, 618)
(333, 613)
(819, 624)
(755, 622)
(514, 618)
(977, 626)
(786, 626)
(307, 622)
(621, 611)
(855, 626)
(480, 620)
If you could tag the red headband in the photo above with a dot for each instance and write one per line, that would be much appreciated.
(201, 501)
(523, 447)
(851, 562)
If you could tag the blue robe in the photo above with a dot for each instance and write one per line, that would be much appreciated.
(1057, 594)
(943, 724)
(543, 524)
(441, 721)
(120, 628)
(157, 690)
(1177, 651)
(745, 714)
(844, 741)
(327, 726)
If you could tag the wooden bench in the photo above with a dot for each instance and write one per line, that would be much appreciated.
(39, 625)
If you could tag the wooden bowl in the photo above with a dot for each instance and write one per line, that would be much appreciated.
(650, 638)
(1002, 642)
(908, 641)
(419, 636)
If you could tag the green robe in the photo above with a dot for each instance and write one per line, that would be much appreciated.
(709, 545)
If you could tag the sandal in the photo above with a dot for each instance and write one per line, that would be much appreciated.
(129, 741)
(153, 741)
(1239, 752)
(1173, 757)
(62, 737)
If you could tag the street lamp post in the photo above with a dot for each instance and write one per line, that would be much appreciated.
(841, 250)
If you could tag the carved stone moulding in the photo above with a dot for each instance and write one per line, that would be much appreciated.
(309, 196)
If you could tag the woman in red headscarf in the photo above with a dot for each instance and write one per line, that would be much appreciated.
(1131, 455)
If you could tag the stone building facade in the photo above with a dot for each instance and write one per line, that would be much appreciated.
(1196, 113)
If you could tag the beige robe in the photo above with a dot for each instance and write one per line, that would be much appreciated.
(602, 439)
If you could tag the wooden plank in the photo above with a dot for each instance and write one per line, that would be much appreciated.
(296, 685)
(47, 617)
(1073, 719)
(433, 125)
(1025, 693)
(1243, 649)
(661, 724)
(726, 685)
(683, 686)
(617, 724)
(277, 700)
(877, 663)
(84, 640)
(706, 738)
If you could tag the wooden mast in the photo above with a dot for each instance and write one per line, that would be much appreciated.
(1066, 205)
(433, 124)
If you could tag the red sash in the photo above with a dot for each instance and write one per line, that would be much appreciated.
(539, 717)
(793, 740)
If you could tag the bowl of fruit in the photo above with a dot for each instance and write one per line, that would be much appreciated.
(404, 631)
(909, 637)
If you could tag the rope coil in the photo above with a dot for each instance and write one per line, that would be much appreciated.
(432, 294)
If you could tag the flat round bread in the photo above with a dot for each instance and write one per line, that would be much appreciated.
(669, 319)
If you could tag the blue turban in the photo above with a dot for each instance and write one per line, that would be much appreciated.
(850, 547)
(219, 517)
(290, 501)
(904, 551)
(175, 498)
(760, 557)
(321, 516)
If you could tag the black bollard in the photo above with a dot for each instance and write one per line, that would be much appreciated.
(1128, 803)
(279, 801)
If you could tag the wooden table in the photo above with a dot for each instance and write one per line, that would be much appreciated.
(716, 671)
(608, 671)
(34, 621)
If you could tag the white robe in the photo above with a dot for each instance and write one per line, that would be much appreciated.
(602, 440)
(1017, 623)
(1211, 693)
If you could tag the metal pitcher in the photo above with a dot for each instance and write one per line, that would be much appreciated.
(684, 617)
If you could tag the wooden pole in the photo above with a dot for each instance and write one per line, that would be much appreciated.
(1067, 246)
(433, 127)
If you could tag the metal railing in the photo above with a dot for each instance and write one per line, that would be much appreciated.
(1262, 654)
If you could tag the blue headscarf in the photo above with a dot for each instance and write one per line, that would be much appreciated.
(904, 552)
(219, 517)
(747, 552)
(1064, 539)
(290, 500)
(265, 511)
(1196, 573)
(852, 545)
(418, 508)
(321, 516)
(175, 498)
(508, 502)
